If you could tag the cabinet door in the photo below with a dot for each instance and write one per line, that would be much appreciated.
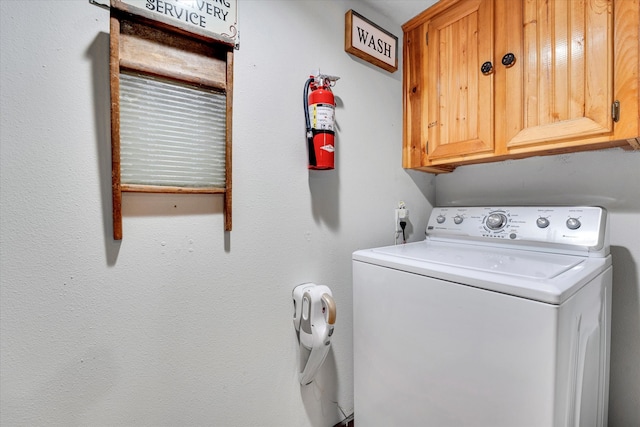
(460, 113)
(565, 90)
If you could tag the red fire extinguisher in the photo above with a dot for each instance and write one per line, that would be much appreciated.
(319, 111)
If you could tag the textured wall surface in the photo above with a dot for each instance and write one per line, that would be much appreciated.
(607, 178)
(180, 323)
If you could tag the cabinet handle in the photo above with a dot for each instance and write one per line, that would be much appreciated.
(508, 60)
(487, 68)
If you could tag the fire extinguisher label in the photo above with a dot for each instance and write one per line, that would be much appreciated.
(322, 116)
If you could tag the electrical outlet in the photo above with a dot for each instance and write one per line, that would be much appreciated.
(401, 214)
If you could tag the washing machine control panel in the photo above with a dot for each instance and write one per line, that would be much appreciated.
(570, 226)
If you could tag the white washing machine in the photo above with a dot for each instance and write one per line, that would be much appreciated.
(501, 317)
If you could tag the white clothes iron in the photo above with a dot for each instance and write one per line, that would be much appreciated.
(314, 317)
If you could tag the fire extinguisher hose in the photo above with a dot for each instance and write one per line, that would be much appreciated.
(305, 102)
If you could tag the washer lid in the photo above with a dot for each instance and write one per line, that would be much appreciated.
(534, 265)
(540, 276)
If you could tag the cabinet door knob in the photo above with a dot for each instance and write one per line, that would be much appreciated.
(508, 60)
(487, 68)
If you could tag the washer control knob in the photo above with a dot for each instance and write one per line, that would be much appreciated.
(542, 222)
(440, 219)
(496, 221)
(573, 223)
(458, 219)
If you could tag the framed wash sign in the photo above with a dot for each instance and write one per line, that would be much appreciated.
(370, 42)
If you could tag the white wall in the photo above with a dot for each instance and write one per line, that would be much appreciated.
(607, 178)
(180, 324)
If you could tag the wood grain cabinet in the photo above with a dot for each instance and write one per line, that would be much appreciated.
(489, 80)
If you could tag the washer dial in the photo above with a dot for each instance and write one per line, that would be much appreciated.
(573, 223)
(496, 221)
(542, 222)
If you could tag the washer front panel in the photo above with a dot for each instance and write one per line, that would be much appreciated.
(439, 353)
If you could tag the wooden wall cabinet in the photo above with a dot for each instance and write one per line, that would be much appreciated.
(490, 80)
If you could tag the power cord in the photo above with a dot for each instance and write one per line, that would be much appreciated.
(403, 225)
